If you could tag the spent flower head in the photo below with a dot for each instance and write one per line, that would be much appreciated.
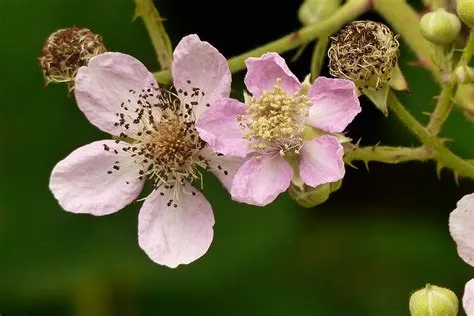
(366, 52)
(270, 130)
(66, 50)
(157, 140)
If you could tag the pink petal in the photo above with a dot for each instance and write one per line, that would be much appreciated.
(335, 104)
(461, 226)
(223, 167)
(86, 181)
(105, 83)
(263, 72)
(468, 298)
(173, 235)
(219, 127)
(260, 181)
(198, 64)
(321, 161)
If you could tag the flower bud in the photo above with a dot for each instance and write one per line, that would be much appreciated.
(433, 300)
(66, 50)
(307, 196)
(465, 9)
(440, 27)
(313, 11)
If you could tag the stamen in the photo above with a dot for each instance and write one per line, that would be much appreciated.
(274, 121)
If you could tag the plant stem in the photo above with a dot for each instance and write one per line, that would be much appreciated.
(443, 108)
(343, 15)
(405, 21)
(468, 51)
(442, 154)
(387, 154)
(154, 25)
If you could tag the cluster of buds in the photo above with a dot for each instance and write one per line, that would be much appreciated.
(65, 51)
(366, 52)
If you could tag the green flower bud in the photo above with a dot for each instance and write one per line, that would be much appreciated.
(313, 11)
(440, 27)
(433, 301)
(465, 9)
(307, 196)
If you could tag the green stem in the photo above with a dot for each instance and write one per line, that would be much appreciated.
(405, 21)
(154, 25)
(443, 108)
(345, 14)
(468, 51)
(317, 60)
(387, 154)
(442, 154)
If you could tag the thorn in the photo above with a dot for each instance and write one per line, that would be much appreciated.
(456, 177)
(366, 163)
(439, 168)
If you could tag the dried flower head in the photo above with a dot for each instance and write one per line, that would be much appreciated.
(365, 52)
(66, 50)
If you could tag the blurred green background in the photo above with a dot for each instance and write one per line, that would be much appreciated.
(384, 234)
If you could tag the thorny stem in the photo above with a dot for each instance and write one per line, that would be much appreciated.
(154, 25)
(405, 21)
(443, 108)
(345, 14)
(442, 154)
(387, 154)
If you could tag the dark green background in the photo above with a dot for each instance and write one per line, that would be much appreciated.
(381, 236)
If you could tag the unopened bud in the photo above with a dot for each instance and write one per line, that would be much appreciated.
(307, 196)
(440, 27)
(313, 11)
(465, 9)
(433, 300)
(66, 50)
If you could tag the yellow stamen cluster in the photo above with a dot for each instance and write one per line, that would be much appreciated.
(365, 52)
(275, 120)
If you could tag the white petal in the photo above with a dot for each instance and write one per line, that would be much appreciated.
(86, 181)
(173, 235)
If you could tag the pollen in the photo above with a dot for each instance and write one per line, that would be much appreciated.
(365, 52)
(274, 121)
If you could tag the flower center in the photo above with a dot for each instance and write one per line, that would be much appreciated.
(162, 138)
(172, 147)
(275, 120)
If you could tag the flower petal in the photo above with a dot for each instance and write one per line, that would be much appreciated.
(461, 227)
(260, 180)
(335, 104)
(321, 161)
(87, 182)
(263, 72)
(223, 167)
(198, 64)
(219, 127)
(173, 235)
(468, 298)
(105, 83)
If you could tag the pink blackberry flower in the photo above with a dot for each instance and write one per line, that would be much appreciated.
(158, 141)
(461, 227)
(269, 130)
